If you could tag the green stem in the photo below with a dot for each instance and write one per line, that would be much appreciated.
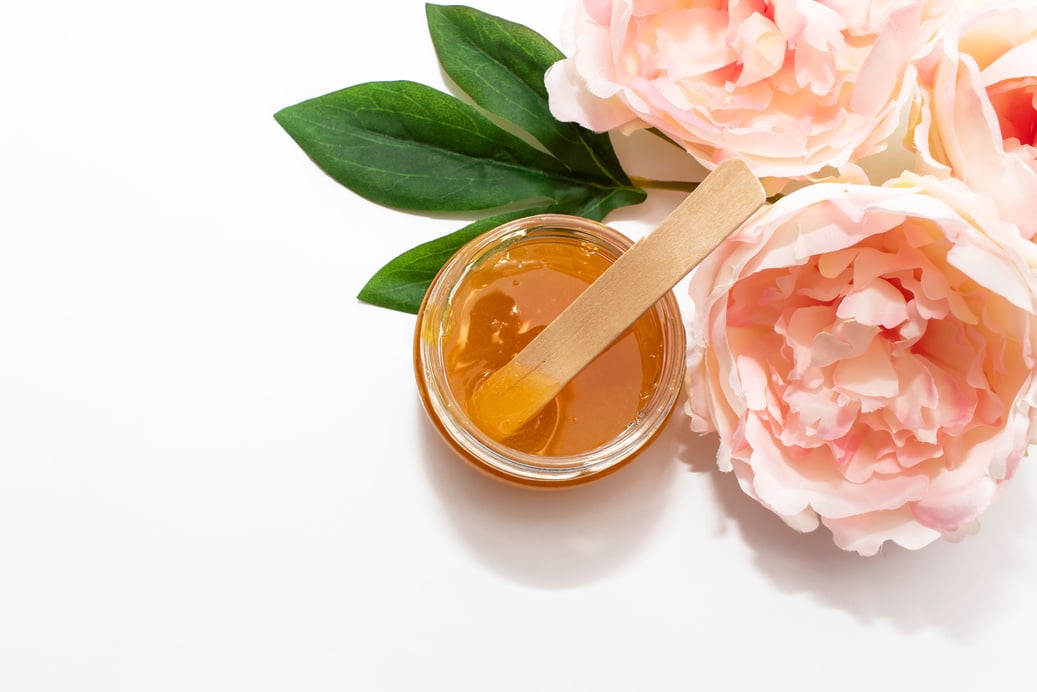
(679, 185)
(658, 133)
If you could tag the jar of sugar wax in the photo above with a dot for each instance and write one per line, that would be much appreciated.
(490, 299)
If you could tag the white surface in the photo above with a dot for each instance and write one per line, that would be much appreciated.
(214, 471)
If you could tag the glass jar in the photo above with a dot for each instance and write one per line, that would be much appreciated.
(490, 299)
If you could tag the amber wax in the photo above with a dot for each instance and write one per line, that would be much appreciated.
(491, 300)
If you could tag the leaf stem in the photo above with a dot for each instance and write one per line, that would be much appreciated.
(679, 185)
(658, 133)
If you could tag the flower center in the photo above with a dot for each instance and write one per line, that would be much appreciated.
(879, 355)
(1015, 102)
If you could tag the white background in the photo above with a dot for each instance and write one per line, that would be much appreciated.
(214, 470)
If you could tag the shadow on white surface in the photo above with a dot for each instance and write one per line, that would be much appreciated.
(952, 587)
(553, 539)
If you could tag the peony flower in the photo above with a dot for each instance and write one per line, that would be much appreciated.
(867, 357)
(975, 115)
(790, 86)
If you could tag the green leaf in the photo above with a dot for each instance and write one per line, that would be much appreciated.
(501, 66)
(409, 146)
(401, 284)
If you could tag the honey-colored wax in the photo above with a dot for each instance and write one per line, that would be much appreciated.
(510, 297)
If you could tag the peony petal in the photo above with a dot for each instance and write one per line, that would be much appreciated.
(813, 482)
(803, 326)
(1017, 62)
(847, 340)
(866, 455)
(870, 375)
(691, 43)
(866, 533)
(599, 11)
(804, 522)
(762, 49)
(877, 304)
(972, 133)
(832, 264)
(950, 510)
(754, 382)
(943, 300)
(815, 417)
(918, 392)
(994, 269)
(645, 8)
(570, 101)
(698, 407)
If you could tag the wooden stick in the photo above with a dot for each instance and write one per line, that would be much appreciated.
(625, 291)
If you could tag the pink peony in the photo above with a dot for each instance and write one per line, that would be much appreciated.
(790, 86)
(976, 111)
(866, 355)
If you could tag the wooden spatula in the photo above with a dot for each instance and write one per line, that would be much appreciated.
(639, 277)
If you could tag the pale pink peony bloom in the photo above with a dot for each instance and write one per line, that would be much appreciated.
(867, 356)
(790, 86)
(975, 115)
